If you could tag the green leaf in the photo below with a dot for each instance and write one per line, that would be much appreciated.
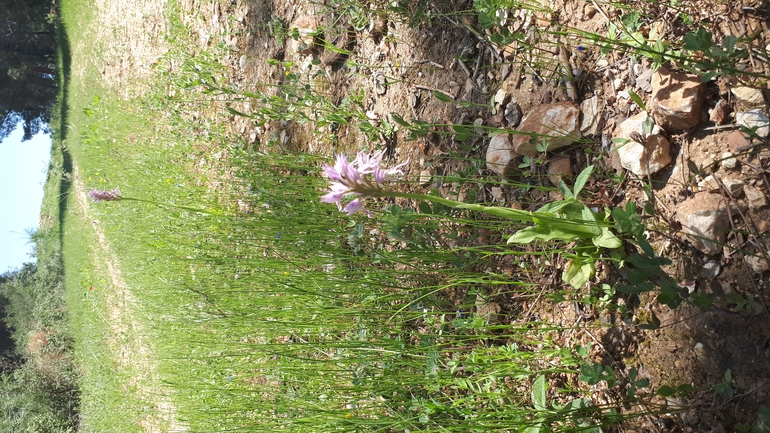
(425, 208)
(637, 99)
(398, 119)
(729, 43)
(648, 125)
(564, 189)
(462, 132)
(607, 240)
(578, 273)
(538, 393)
(442, 97)
(698, 41)
(635, 289)
(582, 178)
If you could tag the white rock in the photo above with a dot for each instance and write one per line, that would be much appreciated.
(754, 118)
(734, 187)
(642, 159)
(425, 177)
(706, 218)
(728, 161)
(757, 264)
(590, 119)
(500, 153)
(710, 269)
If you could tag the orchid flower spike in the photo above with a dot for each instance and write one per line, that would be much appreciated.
(97, 195)
(363, 177)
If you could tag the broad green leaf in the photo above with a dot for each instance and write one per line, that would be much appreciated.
(729, 43)
(425, 208)
(582, 178)
(538, 393)
(607, 239)
(578, 273)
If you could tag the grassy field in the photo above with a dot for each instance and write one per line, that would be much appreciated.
(220, 294)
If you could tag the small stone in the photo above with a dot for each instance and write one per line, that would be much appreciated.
(678, 99)
(502, 97)
(749, 95)
(487, 311)
(642, 159)
(754, 119)
(243, 61)
(755, 197)
(558, 168)
(513, 114)
(497, 193)
(644, 80)
(425, 177)
(734, 187)
(763, 226)
(706, 217)
(500, 153)
(710, 269)
(719, 113)
(738, 141)
(757, 264)
(708, 184)
(729, 161)
(591, 119)
(557, 124)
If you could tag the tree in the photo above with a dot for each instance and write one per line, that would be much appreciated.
(27, 66)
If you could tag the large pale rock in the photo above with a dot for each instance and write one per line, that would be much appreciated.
(754, 119)
(591, 119)
(706, 218)
(500, 153)
(749, 95)
(678, 99)
(642, 159)
(306, 26)
(558, 124)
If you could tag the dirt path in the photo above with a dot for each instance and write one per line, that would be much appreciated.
(133, 353)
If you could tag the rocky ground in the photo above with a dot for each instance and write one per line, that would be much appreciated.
(681, 150)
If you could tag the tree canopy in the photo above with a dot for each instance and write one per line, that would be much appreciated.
(27, 65)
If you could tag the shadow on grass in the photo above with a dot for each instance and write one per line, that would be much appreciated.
(62, 108)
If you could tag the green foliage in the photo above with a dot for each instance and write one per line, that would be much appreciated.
(723, 58)
(726, 388)
(594, 231)
(644, 268)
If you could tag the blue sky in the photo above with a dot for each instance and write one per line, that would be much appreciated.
(23, 168)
